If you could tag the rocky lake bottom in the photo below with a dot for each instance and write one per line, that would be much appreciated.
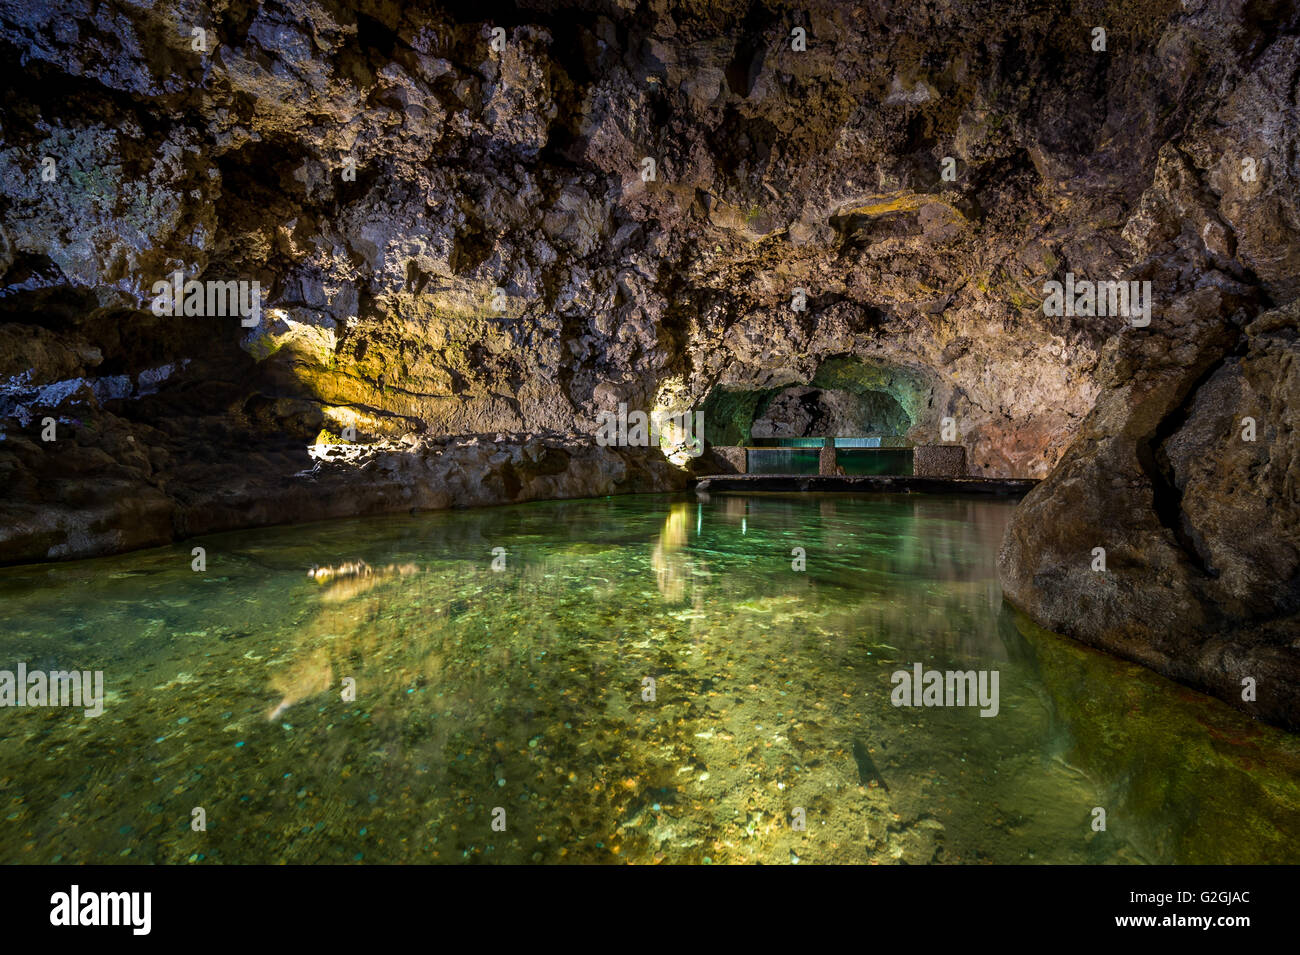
(639, 679)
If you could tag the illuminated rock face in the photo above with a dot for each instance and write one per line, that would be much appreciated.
(462, 232)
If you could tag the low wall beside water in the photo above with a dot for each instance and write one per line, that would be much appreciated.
(852, 457)
(939, 460)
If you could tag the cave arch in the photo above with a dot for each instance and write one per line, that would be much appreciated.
(805, 411)
(871, 397)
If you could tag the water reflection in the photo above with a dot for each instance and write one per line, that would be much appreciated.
(353, 578)
(673, 569)
(518, 684)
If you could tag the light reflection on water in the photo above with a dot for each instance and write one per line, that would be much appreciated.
(522, 689)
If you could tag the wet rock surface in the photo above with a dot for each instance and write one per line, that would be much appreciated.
(1170, 533)
(92, 504)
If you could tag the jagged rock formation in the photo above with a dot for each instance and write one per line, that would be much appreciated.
(801, 411)
(1200, 527)
(105, 506)
(1187, 471)
(457, 234)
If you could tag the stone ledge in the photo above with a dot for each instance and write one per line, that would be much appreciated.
(867, 483)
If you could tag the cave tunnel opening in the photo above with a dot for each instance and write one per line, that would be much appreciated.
(805, 411)
(866, 410)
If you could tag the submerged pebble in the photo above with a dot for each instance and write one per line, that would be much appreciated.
(764, 680)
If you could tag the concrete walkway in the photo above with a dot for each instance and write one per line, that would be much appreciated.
(868, 483)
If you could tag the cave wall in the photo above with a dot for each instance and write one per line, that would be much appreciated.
(801, 412)
(457, 242)
(520, 169)
(1169, 532)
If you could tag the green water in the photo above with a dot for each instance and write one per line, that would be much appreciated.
(782, 461)
(857, 461)
(519, 693)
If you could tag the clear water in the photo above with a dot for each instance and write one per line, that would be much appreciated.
(856, 461)
(521, 690)
(782, 461)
